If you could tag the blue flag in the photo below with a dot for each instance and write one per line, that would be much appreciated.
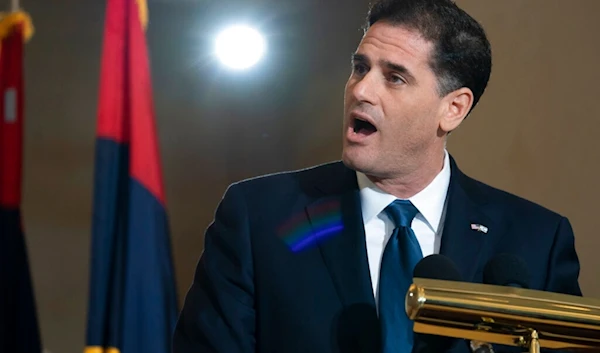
(132, 299)
(19, 330)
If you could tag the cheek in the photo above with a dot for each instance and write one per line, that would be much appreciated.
(410, 123)
(347, 98)
(402, 116)
(348, 91)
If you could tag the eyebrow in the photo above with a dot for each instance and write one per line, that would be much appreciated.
(388, 64)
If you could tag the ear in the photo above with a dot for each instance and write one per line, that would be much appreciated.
(456, 105)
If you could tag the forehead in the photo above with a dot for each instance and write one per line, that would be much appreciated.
(395, 43)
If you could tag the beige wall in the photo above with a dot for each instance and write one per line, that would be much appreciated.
(533, 133)
(536, 131)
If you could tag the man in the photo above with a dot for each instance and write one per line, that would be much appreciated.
(318, 260)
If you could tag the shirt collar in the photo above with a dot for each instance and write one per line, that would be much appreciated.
(429, 201)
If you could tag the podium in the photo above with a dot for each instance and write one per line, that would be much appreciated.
(525, 318)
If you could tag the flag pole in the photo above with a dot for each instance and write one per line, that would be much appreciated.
(14, 5)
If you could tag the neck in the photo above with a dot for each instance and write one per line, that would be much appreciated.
(406, 185)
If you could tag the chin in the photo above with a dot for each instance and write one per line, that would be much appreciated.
(356, 159)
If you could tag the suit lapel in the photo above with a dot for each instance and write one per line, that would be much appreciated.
(466, 209)
(344, 251)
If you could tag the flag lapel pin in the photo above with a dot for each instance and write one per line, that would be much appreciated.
(479, 227)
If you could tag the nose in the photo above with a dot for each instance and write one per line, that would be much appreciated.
(364, 89)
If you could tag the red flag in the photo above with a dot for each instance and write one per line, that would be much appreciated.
(133, 301)
(19, 330)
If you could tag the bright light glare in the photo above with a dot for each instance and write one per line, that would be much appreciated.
(240, 47)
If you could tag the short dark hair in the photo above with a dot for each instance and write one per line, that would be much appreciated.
(462, 55)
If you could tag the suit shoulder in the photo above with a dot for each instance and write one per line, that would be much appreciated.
(516, 203)
(289, 178)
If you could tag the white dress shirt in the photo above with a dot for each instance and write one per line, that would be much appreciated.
(427, 225)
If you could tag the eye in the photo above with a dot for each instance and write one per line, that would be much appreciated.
(360, 68)
(396, 79)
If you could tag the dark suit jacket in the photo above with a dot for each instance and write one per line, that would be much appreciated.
(285, 270)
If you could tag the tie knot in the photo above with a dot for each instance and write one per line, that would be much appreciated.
(402, 212)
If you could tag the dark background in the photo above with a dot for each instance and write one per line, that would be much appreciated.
(534, 132)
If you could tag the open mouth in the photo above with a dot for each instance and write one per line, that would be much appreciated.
(363, 127)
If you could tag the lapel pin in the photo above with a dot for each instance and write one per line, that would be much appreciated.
(479, 227)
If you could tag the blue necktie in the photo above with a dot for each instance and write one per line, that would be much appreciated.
(400, 256)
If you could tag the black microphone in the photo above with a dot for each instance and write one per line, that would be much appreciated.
(503, 270)
(507, 270)
(438, 267)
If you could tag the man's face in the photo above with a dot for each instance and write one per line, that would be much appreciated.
(392, 107)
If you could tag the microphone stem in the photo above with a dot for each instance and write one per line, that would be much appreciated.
(534, 345)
